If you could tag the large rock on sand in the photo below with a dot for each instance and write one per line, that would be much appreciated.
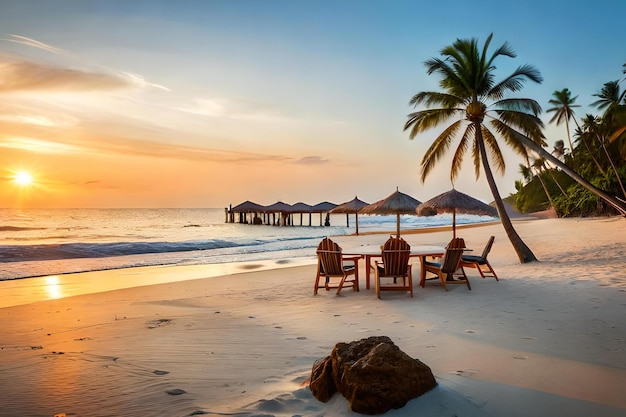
(373, 374)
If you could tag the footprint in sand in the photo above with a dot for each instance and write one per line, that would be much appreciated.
(158, 323)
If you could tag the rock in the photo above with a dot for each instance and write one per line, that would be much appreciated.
(373, 374)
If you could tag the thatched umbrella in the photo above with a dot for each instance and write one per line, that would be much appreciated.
(302, 208)
(454, 201)
(324, 207)
(245, 208)
(397, 203)
(349, 207)
(281, 208)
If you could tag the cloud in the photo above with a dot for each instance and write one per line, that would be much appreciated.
(312, 160)
(38, 146)
(234, 109)
(34, 43)
(141, 82)
(29, 76)
(138, 147)
(38, 120)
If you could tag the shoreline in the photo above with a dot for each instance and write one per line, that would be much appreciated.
(48, 287)
(55, 286)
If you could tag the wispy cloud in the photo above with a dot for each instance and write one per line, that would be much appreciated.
(141, 82)
(137, 147)
(312, 160)
(34, 43)
(234, 109)
(29, 76)
(129, 147)
(38, 146)
(38, 120)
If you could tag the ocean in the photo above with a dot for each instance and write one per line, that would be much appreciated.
(36, 242)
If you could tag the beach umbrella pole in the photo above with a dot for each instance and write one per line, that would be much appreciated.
(454, 224)
(398, 224)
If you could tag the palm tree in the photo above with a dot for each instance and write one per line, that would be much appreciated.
(598, 127)
(609, 96)
(563, 107)
(614, 104)
(468, 81)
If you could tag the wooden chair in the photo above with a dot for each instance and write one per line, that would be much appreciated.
(394, 264)
(449, 270)
(332, 264)
(480, 262)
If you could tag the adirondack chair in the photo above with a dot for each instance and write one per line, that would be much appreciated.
(394, 264)
(480, 262)
(449, 270)
(338, 271)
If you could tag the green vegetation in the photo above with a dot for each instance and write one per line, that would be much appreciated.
(597, 154)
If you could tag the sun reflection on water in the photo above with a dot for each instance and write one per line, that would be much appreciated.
(53, 289)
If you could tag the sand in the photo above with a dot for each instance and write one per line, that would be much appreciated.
(548, 339)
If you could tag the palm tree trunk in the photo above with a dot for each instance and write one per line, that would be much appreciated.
(558, 184)
(614, 202)
(545, 189)
(569, 138)
(523, 252)
(608, 156)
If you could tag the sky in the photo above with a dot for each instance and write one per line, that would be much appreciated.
(214, 102)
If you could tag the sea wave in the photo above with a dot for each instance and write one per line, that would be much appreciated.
(47, 252)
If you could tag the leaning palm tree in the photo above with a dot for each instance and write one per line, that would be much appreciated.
(564, 111)
(469, 89)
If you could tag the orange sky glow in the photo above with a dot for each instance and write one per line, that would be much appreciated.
(205, 107)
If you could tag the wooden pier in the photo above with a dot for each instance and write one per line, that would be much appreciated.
(279, 213)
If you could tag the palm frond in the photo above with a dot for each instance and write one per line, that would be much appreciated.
(525, 105)
(493, 149)
(426, 119)
(529, 124)
(450, 79)
(433, 98)
(438, 148)
(457, 158)
(510, 136)
(476, 159)
(515, 81)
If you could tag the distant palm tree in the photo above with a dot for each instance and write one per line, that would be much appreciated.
(563, 107)
(609, 97)
(469, 88)
(613, 102)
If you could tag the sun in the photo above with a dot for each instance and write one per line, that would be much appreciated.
(23, 178)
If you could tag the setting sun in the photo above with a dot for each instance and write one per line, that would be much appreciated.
(23, 178)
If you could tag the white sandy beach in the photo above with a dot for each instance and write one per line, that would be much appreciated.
(548, 339)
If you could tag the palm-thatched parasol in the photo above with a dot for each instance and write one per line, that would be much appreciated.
(248, 207)
(349, 207)
(454, 201)
(324, 207)
(397, 203)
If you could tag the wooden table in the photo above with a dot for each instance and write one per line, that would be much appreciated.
(375, 251)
